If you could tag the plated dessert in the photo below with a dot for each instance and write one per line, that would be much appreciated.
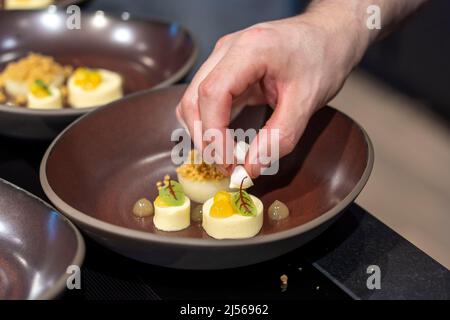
(233, 215)
(225, 210)
(200, 181)
(304, 183)
(172, 206)
(38, 82)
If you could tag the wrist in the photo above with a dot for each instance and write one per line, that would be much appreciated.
(345, 23)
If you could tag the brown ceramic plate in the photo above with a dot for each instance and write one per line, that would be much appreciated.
(98, 167)
(37, 244)
(148, 54)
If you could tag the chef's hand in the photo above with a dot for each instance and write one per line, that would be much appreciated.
(295, 65)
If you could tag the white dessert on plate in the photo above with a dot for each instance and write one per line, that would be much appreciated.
(232, 225)
(238, 175)
(18, 76)
(171, 207)
(200, 191)
(41, 96)
(200, 181)
(172, 218)
(93, 87)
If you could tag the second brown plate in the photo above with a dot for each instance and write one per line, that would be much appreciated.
(147, 54)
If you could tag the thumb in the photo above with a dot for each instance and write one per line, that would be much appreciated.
(280, 134)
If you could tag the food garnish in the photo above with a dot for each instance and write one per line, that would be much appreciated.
(170, 193)
(88, 79)
(39, 89)
(197, 170)
(226, 204)
(200, 181)
(233, 215)
(172, 207)
(33, 67)
(242, 202)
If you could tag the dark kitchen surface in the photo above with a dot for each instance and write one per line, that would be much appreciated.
(334, 266)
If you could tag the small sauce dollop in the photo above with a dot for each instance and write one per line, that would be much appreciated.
(143, 208)
(278, 210)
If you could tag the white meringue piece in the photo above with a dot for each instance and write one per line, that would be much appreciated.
(238, 174)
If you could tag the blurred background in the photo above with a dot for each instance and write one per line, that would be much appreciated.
(400, 94)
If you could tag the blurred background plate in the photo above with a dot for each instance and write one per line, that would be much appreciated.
(37, 244)
(101, 165)
(148, 54)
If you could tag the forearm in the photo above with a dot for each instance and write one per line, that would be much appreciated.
(392, 11)
(349, 17)
(296, 65)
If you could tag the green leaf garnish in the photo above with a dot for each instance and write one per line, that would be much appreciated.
(42, 85)
(242, 202)
(172, 194)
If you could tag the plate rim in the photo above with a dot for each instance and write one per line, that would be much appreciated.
(78, 259)
(84, 219)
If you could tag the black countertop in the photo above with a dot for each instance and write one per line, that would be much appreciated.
(333, 266)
